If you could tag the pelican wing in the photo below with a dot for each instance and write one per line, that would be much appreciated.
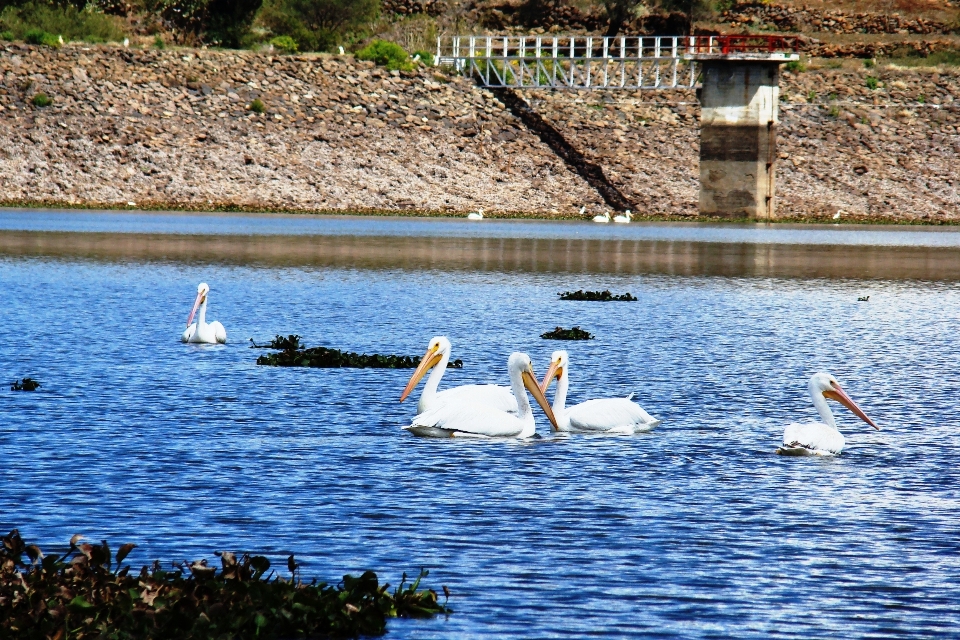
(188, 333)
(219, 332)
(490, 395)
(610, 414)
(469, 419)
(811, 438)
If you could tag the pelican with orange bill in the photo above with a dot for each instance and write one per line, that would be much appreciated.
(614, 416)
(436, 358)
(199, 331)
(472, 420)
(821, 438)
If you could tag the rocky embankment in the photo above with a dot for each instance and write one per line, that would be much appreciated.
(173, 129)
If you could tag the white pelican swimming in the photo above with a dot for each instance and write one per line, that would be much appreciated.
(817, 438)
(200, 331)
(605, 415)
(475, 215)
(604, 217)
(437, 356)
(472, 420)
(625, 218)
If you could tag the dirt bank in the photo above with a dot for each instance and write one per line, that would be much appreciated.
(172, 129)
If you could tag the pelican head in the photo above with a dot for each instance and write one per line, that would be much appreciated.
(520, 365)
(826, 386)
(202, 290)
(436, 350)
(559, 362)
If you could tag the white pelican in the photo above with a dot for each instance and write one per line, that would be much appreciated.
(605, 217)
(606, 415)
(817, 438)
(625, 218)
(471, 420)
(475, 215)
(437, 356)
(200, 331)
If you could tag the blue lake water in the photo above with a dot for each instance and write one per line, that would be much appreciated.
(696, 529)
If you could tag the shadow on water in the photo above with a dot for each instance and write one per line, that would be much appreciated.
(542, 255)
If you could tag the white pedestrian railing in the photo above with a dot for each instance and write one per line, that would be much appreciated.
(573, 62)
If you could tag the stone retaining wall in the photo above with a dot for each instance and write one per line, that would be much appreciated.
(172, 129)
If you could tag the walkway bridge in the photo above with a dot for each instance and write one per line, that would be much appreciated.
(738, 75)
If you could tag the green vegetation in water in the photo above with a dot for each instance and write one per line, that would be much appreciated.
(294, 354)
(81, 595)
(38, 22)
(41, 100)
(560, 333)
(257, 106)
(28, 384)
(596, 296)
(386, 54)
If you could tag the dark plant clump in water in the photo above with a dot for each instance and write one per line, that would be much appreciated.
(294, 354)
(560, 333)
(863, 299)
(596, 296)
(81, 595)
(28, 384)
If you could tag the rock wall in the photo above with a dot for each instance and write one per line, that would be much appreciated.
(173, 129)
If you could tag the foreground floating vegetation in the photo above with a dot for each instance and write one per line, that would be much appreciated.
(294, 354)
(79, 595)
(596, 296)
(576, 333)
(28, 384)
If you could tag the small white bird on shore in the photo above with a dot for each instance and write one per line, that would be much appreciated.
(605, 217)
(624, 219)
(836, 216)
(583, 210)
(475, 215)
(341, 50)
(126, 42)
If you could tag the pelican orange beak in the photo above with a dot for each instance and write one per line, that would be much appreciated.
(553, 373)
(841, 396)
(530, 382)
(430, 359)
(196, 305)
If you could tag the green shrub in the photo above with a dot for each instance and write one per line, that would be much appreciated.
(795, 66)
(158, 42)
(317, 25)
(58, 19)
(41, 100)
(834, 111)
(6, 35)
(869, 63)
(950, 57)
(425, 56)
(285, 44)
(257, 106)
(922, 99)
(386, 54)
(871, 83)
(811, 96)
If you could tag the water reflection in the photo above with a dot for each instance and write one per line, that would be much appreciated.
(542, 255)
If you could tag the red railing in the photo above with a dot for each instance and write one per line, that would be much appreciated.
(728, 44)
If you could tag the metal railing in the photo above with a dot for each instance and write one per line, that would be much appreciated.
(593, 62)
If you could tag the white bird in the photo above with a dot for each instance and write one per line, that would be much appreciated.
(126, 42)
(475, 215)
(605, 217)
(437, 356)
(340, 49)
(470, 420)
(820, 438)
(605, 415)
(625, 218)
(583, 210)
(200, 331)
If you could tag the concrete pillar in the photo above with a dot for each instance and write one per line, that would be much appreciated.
(738, 135)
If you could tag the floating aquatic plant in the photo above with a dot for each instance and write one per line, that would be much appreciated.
(576, 333)
(863, 299)
(82, 594)
(28, 384)
(294, 354)
(596, 296)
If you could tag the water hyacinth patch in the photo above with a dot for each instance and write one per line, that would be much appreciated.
(81, 595)
(576, 333)
(28, 384)
(295, 354)
(596, 296)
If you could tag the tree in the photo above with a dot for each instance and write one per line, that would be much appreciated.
(317, 24)
(618, 13)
